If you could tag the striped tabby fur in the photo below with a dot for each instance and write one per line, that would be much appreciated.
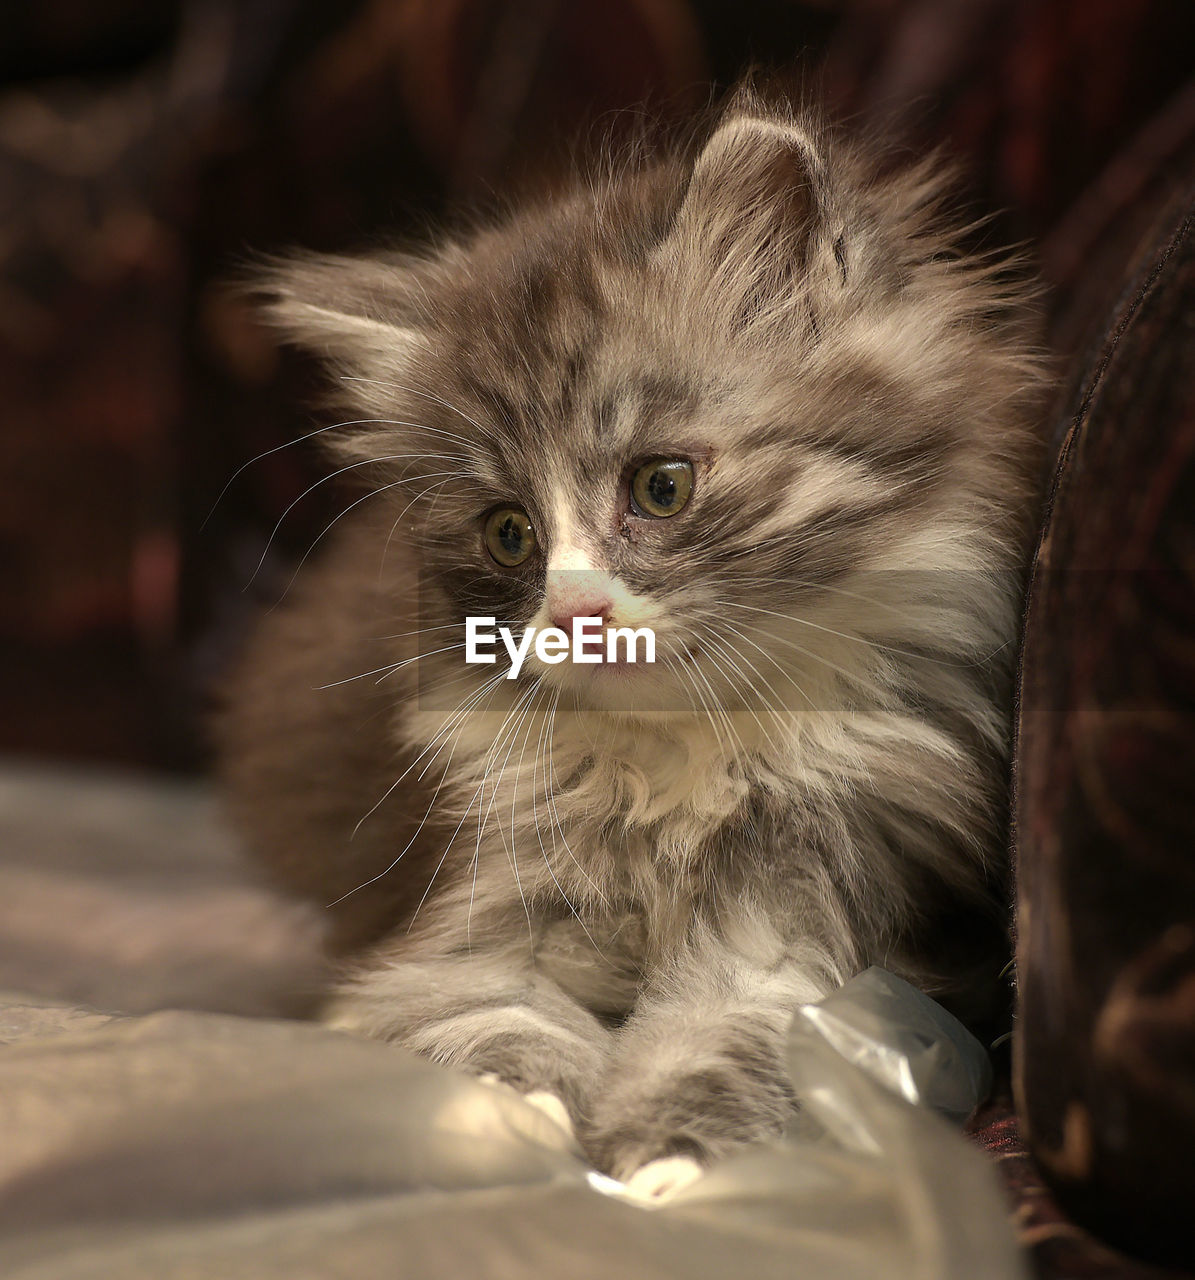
(616, 885)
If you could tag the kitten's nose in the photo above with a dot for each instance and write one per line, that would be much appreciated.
(576, 588)
(569, 605)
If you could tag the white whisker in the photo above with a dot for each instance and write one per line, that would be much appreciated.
(860, 640)
(426, 395)
(373, 493)
(319, 431)
(452, 718)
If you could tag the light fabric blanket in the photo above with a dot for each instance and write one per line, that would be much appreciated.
(193, 1143)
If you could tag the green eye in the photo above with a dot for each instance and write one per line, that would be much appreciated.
(509, 537)
(662, 486)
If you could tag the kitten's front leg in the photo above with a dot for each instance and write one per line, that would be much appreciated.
(698, 1069)
(488, 1011)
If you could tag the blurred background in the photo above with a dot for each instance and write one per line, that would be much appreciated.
(148, 146)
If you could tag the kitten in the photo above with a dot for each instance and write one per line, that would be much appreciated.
(757, 398)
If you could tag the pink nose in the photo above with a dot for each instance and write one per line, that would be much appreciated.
(568, 606)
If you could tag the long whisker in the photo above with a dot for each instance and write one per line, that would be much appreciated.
(861, 640)
(486, 688)
(731, 655)
(311, 488)
(541, 761)
(458, 723)
(448, 648)
(554, 809)
(732, 732)
(373, 493)
(709, 707)
(850, 677)
(319, 431)
(514, 795)
(779, 667)
(390, 667)
(451, 839)
(426, 395)
(443, 626)
(783, 580)
(454, 717)
(443, 857)
(521, 708)
(398, 519)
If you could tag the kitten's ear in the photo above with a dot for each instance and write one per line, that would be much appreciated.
(358, 315)
(755, 214)
(368, 320)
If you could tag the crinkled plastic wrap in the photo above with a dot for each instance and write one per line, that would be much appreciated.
(873, 1179)
(204, 1146)
(868, 1181)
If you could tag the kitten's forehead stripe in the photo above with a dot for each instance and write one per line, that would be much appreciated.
(562, 507)
(659, 394)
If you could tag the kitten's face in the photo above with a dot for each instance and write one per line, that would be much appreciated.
(711, 400)
(709, 502)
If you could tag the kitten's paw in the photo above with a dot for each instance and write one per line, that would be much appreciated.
(553, 1107)
(343, 1015)
(659, 1180)
(543, 1100)
(702, 1116)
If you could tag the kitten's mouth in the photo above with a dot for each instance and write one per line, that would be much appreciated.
(635, 689)
(616, 667)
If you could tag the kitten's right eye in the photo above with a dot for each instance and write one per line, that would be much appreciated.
(509, 537)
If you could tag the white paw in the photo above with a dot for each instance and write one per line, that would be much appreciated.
(543, 1100)
(342, 1015)
(659, 1180)
(552, 1107)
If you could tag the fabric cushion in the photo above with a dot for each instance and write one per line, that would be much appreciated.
(1105, 1053)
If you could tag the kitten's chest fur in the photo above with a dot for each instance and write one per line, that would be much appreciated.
(608, 838)
(627, 799)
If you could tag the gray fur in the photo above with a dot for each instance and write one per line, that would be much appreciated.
(619, 891)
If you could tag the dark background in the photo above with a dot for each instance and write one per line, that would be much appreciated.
(147, 147)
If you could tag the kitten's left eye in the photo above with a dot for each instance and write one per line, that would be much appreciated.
(661, 487)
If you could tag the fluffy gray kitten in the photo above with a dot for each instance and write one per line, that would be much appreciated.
(756, 397)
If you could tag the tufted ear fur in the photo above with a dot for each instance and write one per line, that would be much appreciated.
(365, 321)
(358, 315)
(757, 222)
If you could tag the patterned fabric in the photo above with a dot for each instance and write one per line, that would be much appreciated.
(1056, 1246)
(1036, 95)
(1106, 813)
(145, 150)
(1106, 826)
